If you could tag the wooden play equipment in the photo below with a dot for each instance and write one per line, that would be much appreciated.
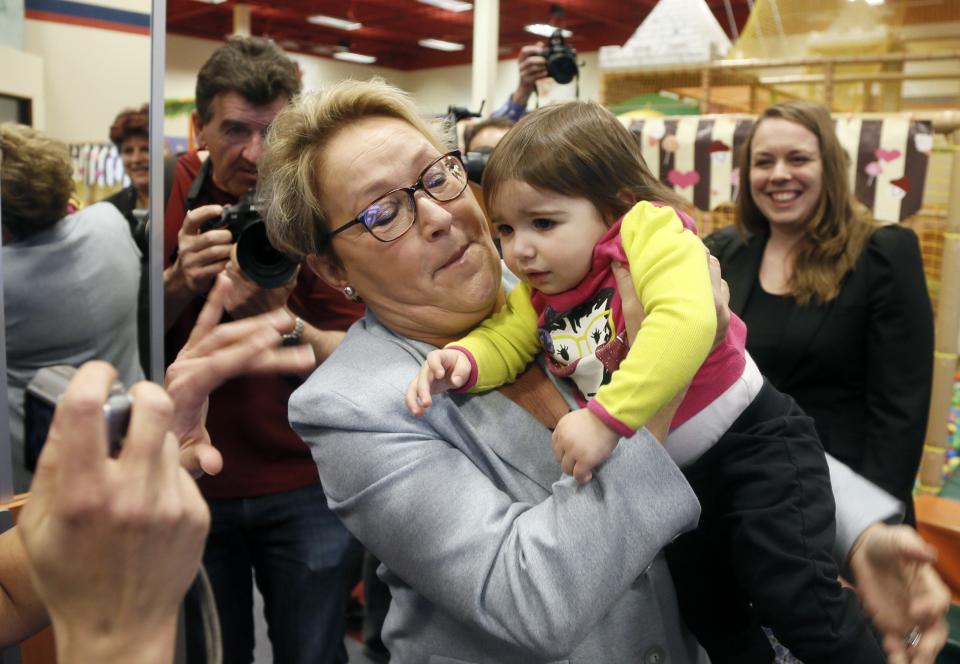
(745, 85)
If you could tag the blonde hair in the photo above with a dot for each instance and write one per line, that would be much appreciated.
(292, 161)
(577, 149)
(36, 180)
(835, 234)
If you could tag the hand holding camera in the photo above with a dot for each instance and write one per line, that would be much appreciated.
(202, 256)
(260, 262)
(113, 544)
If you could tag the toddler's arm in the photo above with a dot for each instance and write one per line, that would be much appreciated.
(672, 280)
(444, 369)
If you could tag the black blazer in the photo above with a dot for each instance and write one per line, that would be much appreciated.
(861, 365)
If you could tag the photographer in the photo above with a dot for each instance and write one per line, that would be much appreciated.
(269, 490)
(532, 66)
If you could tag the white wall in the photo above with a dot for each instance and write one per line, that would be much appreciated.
(89, 75)
(185, 56)
(22, 76)
(434, 89)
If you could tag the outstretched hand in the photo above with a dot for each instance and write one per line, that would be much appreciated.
(444, 369)
(901, 592)
(213, 354)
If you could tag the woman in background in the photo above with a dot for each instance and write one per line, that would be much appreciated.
(130, 133)
(837, 307)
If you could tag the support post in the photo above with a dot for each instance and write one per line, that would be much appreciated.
(486, 43)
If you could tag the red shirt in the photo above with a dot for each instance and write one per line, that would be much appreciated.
(247, 420)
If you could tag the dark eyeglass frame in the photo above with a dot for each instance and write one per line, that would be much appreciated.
(411, 191)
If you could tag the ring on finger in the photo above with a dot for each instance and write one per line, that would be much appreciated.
(912, 638)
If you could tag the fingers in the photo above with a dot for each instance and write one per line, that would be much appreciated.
(410, 397)
(211, 313)
(461, 371)
(150, 422)
(425, 380)
(196, 217)
(582, 472)
(200, 460)
(931, 643)
(567, 463)
(201, 258)
(75, 452)
(912, 547)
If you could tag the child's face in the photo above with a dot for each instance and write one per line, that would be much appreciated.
(547, 238)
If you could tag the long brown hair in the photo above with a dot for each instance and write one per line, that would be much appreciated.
(577, 149)
(835, 234)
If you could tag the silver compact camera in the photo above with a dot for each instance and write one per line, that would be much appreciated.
(41, 397)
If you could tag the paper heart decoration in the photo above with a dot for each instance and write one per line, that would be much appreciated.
(873, 169)
(899, 187)
(923, 143)
(886, 155)
(683, 179)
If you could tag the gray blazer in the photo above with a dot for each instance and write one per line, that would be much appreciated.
(490, 553)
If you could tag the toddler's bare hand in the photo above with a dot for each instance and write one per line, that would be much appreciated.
(444, 369)
(581, 442)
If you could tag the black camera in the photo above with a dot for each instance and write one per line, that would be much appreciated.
(561, 58)
(475, 161)
(40, 400)
(264, 265)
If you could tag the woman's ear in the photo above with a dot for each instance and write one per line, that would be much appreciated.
(328, 269)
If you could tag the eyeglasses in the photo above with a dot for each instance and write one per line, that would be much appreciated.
(394, 213)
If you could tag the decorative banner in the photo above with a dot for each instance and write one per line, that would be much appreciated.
(698, 157)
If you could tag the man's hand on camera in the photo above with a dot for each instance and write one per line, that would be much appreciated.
(113, 544)
(202, 256)
(533, 67)
(213, 354)
(247, 298)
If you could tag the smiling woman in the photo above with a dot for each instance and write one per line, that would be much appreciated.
(129, 132)
(837, 307)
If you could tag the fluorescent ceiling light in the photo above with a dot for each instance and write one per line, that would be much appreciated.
(449, 5)
(545, 30)
(440, 45)
(354, 57)
(332, 22)
(212, 2)
(875, 2)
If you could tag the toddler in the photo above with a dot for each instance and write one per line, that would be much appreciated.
(569, 195)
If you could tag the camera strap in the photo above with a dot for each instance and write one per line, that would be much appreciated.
(192, 194)
(197, 185)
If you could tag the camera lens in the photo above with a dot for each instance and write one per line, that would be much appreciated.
(266, 267)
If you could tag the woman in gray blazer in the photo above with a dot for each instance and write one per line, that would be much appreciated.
(490, 553)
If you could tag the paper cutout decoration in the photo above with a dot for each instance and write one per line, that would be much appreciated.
(886, 150)
(683, 178)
